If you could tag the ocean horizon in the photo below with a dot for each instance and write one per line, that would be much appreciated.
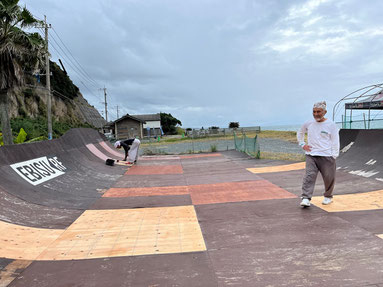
(293, 128)
(376, 124)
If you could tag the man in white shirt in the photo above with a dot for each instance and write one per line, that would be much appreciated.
(322, 148)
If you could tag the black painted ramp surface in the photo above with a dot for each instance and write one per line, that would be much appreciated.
(254, 234)
(362, 153)
(57, 202)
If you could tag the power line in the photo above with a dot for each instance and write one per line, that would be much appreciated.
(76, 60)
(71, 63)
(80, 74)
(54, 48)
(91, 91)
(76, 65)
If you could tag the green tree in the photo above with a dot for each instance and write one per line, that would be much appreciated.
(18, 50)
(169, 123)
(233, 125)
(60, 82)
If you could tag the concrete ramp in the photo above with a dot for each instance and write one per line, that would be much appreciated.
(362, 153)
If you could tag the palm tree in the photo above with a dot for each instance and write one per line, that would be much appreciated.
(18, 49)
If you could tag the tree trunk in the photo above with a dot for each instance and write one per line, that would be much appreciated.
(5, 122)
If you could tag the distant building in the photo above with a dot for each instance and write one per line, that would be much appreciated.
(152, 125)
(127, 127)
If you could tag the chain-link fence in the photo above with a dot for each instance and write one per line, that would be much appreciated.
(247, 145)
(194, 141)
(360, 122)
(219, 132)
(186, 145)
(250, 144)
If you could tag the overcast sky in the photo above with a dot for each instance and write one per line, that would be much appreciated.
(210, 62)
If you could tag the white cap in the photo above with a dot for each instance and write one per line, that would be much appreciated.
(117, 144)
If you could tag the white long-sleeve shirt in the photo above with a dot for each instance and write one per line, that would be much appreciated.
(323, 137)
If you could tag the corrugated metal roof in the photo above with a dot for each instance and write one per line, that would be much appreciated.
(126, 117)
(149, 117)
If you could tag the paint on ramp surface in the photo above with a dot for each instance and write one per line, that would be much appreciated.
(211, 193)
(152, 170)
(237, 192)
(146, 191)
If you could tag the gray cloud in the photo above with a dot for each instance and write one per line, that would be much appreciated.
(209, 62)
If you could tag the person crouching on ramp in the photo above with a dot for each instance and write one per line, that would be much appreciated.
(131, 147)
(322, 149)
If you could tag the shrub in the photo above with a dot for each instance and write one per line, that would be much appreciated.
(38, 127)
(180, 131)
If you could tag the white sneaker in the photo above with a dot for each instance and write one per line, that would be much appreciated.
(327, 200)
(305, 202)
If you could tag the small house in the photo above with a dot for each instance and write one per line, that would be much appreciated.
(152, 125)
(127, 127)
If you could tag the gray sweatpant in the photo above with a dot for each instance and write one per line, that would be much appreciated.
(327, 167)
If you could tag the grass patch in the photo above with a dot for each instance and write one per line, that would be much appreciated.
(148, 151)
(289, 136)
(282, 156)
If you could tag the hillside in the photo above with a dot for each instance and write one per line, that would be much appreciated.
(68, 104)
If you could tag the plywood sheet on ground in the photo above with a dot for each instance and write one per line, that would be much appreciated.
(128, 232)
(278, 168)
(237, 192)
(21, 242)
(150, 170)
(352, 202)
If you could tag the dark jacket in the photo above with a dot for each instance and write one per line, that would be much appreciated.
(126, 145)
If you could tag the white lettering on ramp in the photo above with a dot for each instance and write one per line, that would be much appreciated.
(39, 170)
(371, 162)
(347, 147)
(364, 173)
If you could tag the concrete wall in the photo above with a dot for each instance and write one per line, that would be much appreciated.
(152, 124)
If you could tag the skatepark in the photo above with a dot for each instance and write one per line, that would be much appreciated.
(210, 219)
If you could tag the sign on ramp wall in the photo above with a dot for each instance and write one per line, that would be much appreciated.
(39, 170)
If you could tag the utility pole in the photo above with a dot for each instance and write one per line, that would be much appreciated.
(117, 112)
(106, 105)
(48, 81)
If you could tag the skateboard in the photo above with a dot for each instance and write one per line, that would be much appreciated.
(112, 162)
(122, 162)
